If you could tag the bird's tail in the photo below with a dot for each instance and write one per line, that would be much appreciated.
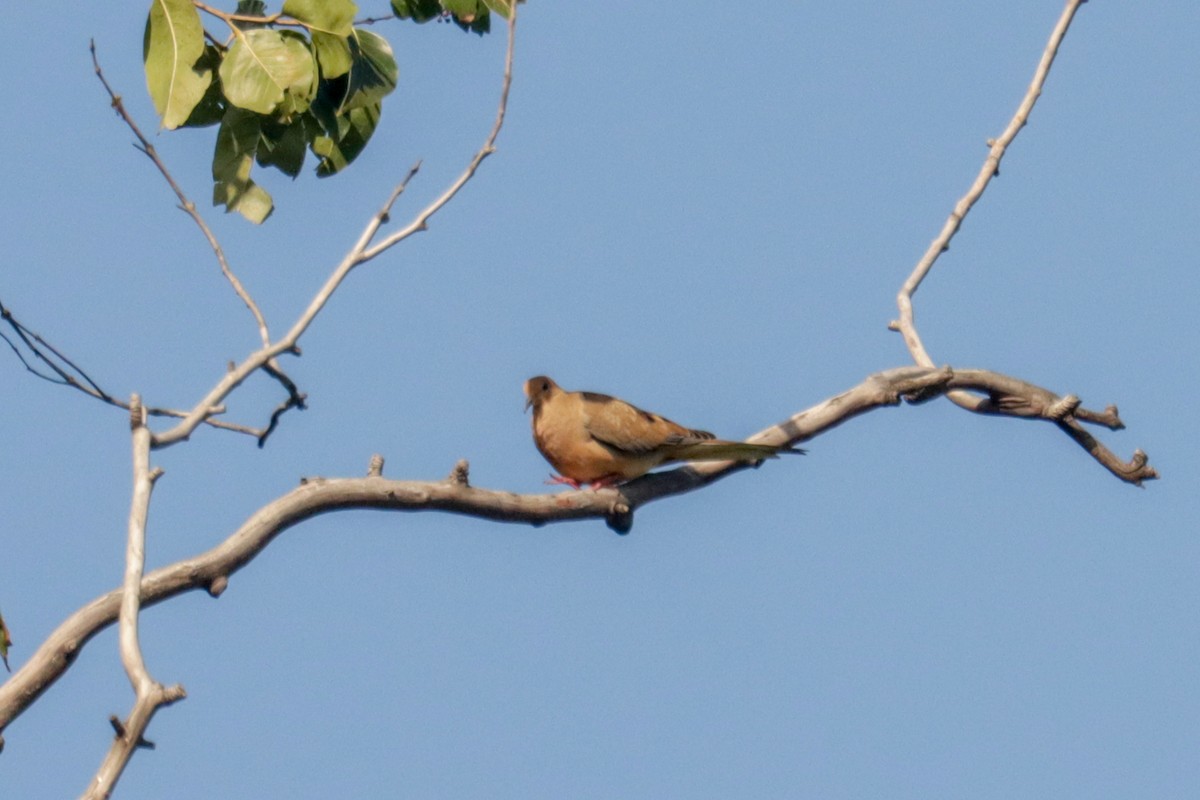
(721, 450)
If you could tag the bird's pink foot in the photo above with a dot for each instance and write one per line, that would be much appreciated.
(605, 482)
(559, 479)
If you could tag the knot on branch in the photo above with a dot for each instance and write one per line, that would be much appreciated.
(922, 388)
(137, 413)
(620, 517)
(375, 467)
(1062, 408)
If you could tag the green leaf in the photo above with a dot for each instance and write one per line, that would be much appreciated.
(327, 16)
(171, 49)
(470, 15)
(284, 146)
(237, 143)
(324, 107)
(373, 73)
(263, 65)
(333, 54)
(211, 107)
(297, 99)
(463, 9)
(354, 129)
(417, 10)
(501, 7)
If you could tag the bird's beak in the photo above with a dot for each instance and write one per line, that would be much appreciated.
(528, 403)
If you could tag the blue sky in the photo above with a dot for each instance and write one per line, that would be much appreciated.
(705, 211)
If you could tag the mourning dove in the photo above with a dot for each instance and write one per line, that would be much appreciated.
(601, 440)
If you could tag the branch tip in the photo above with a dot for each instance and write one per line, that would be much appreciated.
(217, 586)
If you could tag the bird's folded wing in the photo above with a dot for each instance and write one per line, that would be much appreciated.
(628, 429)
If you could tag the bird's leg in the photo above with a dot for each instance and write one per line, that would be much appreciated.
(605, 482)
(557, 479)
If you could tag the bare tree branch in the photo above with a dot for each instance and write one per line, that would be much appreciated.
(149, 694)
(1001, 401)
(211, 571)
(991, 167)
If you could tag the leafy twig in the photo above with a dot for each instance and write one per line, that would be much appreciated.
(359, 254)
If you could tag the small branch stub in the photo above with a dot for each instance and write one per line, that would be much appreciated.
(218, 585)
(461, 474)
(375, 467)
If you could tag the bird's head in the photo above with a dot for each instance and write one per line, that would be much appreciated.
(538, 390)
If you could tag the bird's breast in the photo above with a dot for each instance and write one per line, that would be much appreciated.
(576, 455)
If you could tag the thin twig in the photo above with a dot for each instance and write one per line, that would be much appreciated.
(421, 221)
(43, 351)
(271, 19)
(36, 343)
(186, 205)
(295, 399)
(991, 167)
(374, 20)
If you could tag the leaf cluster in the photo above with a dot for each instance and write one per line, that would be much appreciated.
(280, 85)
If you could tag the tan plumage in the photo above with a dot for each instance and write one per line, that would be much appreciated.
(601, 440)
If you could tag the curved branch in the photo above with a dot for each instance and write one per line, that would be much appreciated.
(211, 571)
(991, 167)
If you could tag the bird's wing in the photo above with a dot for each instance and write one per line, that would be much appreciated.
(626, 428)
